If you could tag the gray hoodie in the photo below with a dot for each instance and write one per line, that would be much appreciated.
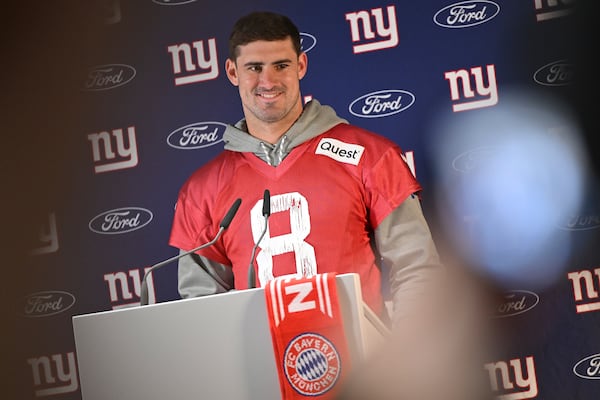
(314, 120)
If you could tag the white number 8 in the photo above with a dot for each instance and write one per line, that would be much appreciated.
(297, 206)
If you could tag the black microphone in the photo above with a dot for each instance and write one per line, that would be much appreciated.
(222, 226)
(266, 212)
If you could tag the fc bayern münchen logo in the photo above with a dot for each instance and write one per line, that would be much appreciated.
(311, 364)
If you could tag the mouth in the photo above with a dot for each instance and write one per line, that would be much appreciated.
(268, 95)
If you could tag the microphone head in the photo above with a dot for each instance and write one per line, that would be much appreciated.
(230, 214)
(266, 203)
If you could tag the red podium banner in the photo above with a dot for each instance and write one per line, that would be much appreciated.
(311, 351)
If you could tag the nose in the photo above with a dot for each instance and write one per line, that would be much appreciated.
(267, 78)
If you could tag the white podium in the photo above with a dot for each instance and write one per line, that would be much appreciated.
(213, 347)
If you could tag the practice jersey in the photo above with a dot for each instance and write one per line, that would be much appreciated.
(326, 198)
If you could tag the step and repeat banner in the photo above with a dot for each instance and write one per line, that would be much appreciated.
(478, 94)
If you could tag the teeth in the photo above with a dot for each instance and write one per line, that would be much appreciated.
(268, 95)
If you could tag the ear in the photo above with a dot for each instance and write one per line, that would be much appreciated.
(231, 71)
(302, 65)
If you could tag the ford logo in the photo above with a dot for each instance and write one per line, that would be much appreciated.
(557, 73)
(120, 220)
(580, 222)
(47, 303)
(197, 136)
(381, 104)
(109, 76)
(472, 159)
(588, 368)
(307, 41)
(516, 302)
(466, 14)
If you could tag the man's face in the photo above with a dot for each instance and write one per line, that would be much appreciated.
(268, 75)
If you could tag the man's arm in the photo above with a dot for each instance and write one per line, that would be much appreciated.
(406, 246)
(199, 276)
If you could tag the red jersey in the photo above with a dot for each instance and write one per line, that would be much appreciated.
(327, 196)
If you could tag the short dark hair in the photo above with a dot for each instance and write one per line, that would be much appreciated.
(262, 25)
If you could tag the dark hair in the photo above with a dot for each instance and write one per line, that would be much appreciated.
(262, 25)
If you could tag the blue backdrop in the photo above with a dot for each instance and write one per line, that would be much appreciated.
(117, 102)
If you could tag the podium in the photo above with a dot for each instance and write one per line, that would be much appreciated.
(213, 347)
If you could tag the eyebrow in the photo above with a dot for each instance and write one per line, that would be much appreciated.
(258, 63)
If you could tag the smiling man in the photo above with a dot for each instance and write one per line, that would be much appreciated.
(342, 198)
(268, 75)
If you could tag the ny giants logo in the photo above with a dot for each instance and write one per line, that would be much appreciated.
(52, 375)
(382, 103)
(103, 150)
(199, 65)
(382, 38)
(124, 287)
(197, 136)
(120, 220)
(48, 237)
(47, 303)
(504, 376)
(589, 299)
(550, 9)
(486, 95)
(556, 73)
(466, 14)
(109, 76)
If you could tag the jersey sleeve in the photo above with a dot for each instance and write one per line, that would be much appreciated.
(194, 221)
(188, 221)
(388, 183)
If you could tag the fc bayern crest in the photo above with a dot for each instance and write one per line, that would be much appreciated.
(311, 364)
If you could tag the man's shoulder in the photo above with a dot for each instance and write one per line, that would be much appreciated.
(225, 161)
(358, 135)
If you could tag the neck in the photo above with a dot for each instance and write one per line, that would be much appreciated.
(267, 132)
(271, 132)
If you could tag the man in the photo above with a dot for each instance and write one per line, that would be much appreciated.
(342, 198)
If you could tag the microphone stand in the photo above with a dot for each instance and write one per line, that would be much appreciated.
(266, 211)
(222, 226)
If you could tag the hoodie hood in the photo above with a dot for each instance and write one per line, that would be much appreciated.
(314, 120)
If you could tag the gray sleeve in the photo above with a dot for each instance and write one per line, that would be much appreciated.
(406, 246)
(199, 276)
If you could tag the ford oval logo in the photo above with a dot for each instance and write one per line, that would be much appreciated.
(120, 220)
(557, 73)
(472, 159)
(307, 41)
(580, 222)
(516, 302)
(197, 136)
(588, 368)
(47, 303)
(466, 14)
(109, 76)
(381, 104)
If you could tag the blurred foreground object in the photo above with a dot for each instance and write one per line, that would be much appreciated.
(506, 177)
(439, 350)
